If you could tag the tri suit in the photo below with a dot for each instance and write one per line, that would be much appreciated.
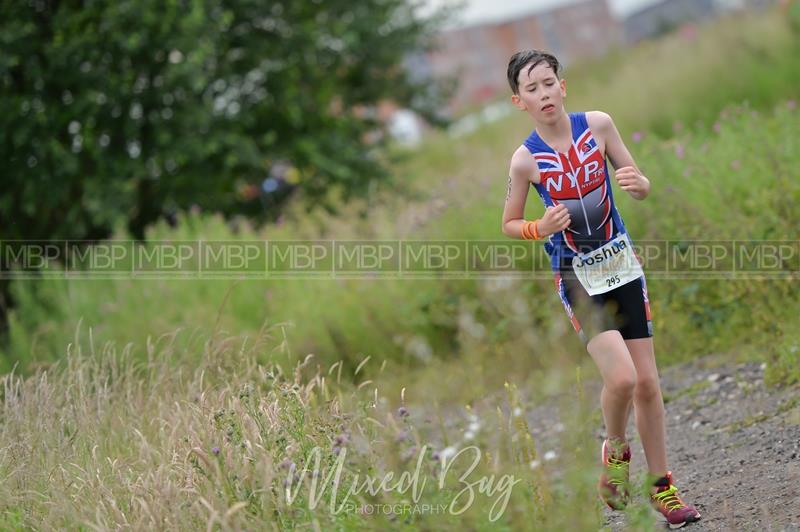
(579, 180)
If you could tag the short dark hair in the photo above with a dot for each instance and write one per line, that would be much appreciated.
(519, 60)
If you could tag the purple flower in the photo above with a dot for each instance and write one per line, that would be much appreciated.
(679, 151)
(215, 450)
(336, 449)
(402, 411)
(287, 464)
(637, 136)
(341, 439)
(791, 104)
(411, 451)
(717, 127)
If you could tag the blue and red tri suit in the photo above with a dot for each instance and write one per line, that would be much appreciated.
(579, 179)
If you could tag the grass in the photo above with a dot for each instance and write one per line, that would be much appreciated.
(224, 437)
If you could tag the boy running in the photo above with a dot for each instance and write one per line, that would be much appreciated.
(597, 273)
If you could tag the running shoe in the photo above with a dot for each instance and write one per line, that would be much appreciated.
(614, 485)
(669, 504)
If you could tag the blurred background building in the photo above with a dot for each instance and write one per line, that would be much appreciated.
(477, 52)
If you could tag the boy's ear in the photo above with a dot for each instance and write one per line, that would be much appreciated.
(563, 88)
(517, 101)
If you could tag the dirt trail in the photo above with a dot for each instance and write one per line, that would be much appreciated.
(733, 446)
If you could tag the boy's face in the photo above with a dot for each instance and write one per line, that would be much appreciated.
(541, 93)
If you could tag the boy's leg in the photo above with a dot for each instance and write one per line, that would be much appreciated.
(610, 354)
(649, 405)
(619, 380)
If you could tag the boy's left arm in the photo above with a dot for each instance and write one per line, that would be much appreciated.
(627, 174)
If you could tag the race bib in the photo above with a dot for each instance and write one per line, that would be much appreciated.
(607, 267)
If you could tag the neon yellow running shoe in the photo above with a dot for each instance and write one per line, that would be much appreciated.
(669, 504)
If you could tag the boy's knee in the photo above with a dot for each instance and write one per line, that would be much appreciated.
(647, 388)
(623, 384)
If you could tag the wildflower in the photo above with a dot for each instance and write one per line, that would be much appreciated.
(637, 136)
(717, 127)
(550, 455)
(411, 451)
(402, 411)
(447, 452)
(215, 450)
(792, 105)
(679, 151)
(341, 439)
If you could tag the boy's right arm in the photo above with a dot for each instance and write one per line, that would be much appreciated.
(523, 167)
(522, 172)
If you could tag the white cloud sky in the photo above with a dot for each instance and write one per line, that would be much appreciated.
(476, 11)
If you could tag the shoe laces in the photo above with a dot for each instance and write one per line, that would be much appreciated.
(617, 470)
(669, 498)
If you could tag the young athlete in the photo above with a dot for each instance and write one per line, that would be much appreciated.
(597, 273)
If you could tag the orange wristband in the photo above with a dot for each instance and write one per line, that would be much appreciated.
(530, 230)
(525, 234)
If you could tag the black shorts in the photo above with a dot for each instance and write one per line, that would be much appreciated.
(625, 309)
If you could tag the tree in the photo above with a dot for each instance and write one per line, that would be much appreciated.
(121, 112)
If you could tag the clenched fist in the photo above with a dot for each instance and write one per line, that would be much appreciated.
(632, 182)
(555, 219)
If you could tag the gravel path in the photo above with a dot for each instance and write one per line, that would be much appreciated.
(733, 445)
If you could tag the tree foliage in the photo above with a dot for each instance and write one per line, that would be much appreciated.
(122, 112)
